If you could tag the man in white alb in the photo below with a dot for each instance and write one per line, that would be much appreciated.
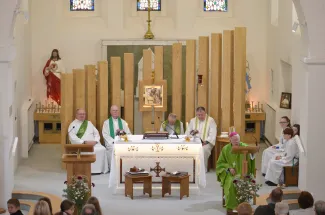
(172, 125)
(82, 131)
(204, 127)
(112, 126)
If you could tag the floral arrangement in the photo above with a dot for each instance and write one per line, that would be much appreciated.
(78, 191)
(246, 188)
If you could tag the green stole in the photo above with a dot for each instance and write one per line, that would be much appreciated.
(82, 129)
(228, 160)
(177, 126)
(205, 125)
(111, 126)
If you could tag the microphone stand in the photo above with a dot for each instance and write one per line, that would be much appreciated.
(175, 133)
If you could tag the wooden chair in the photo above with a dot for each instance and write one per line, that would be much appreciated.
(291, 175)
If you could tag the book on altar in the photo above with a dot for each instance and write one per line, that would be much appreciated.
(138, 173)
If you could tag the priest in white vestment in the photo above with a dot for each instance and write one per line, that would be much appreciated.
(285, 158)
(205, 128)
(82, 131)
(112, 126)
(272, 150)
(172, 125)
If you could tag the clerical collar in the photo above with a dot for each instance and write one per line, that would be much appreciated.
(80, 121)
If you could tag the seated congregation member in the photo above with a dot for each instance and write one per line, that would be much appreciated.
(88, 209)
(67, 207)
(272, 150)
(172, 125)
(275, 196)
(82, 131)
(112, 127)
(244, 209)
(228, 166)
(306, 204)
(94, 201)
(41, 208)
(13, 206)
(281, 208)
(319, 207)
(48, 201)
(284, 158)
(204, 127)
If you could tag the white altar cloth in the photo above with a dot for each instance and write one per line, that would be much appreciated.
(158, 157)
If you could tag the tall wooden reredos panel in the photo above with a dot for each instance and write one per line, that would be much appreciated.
(221, 64)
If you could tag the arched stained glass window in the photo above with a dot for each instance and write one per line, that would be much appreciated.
(142, 5)
(216, 5)
(82, 5)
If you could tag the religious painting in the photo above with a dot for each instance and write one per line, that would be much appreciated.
(82, 5)
(152, 95)
(216, 5)
(142, 5)
(285, 101)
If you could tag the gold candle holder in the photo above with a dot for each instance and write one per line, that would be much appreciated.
(149, 35)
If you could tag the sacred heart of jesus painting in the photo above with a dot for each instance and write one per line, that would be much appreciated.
(153, 95)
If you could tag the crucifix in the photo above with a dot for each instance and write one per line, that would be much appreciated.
(157, 169)
(149, 35)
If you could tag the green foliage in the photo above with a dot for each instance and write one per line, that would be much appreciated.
(246, 188)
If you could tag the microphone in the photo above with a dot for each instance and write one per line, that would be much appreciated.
(67, 137)
(175, 133)
(119, 132)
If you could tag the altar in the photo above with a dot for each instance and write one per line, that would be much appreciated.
(157, 157)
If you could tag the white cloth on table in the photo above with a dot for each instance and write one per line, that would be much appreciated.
(170, 131)
(275, 167)
(210, 136)
(91, 134)
(109, 141)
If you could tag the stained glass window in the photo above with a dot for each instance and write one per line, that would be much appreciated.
(82, 5)
(155, 5)
(216, 5)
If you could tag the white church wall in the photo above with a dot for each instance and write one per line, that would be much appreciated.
(78, 37)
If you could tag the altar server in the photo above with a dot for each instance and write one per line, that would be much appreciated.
(82, 131)
(272, 150)
(111, 127)
(285, 158)
(204, 127)
(172, 125)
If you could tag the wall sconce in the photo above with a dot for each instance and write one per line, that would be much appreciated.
(200, 79)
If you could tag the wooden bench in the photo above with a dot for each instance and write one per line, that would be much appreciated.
(131, 179)
(291, 175)
(184, 189)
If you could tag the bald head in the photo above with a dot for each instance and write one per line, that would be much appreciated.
(115, 111)
(276, 195)
(244, 209)
(80, 114)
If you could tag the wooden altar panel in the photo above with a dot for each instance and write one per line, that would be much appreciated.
(203, 90)
(91, 93)
(227, 77)
(215, 88)
(239, 79)
(129, 90)
(79, 79)
(147, 72)
(159, 74)
(190, 80)
(116, 81)
(102, 94)
(177, 79)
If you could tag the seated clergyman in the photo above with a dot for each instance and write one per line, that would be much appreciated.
(112, 127)
(82, 131)
(172, 125)
(204, 127)
(228, 166)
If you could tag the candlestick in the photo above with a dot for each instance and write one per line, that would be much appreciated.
(252, 108)
(262, 110)
(149, 34)
(186, 125)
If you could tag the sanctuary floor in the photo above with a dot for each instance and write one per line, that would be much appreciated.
(42, 172)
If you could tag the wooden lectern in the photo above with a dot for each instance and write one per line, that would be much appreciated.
(244, 150)
(77, 163)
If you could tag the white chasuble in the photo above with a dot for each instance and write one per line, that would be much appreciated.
(207, 132)
(91, 134)
(275, 167)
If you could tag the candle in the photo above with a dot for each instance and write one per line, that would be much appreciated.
(186, 125)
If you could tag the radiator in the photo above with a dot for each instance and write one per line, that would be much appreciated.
(27, 126)
(270, 124)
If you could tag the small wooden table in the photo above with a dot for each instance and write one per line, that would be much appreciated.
(131, 179)
(182, 180)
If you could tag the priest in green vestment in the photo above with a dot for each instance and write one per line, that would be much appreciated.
(172, 125)
(111, 127)
(229, 166)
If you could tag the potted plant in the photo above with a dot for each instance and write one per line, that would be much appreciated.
(246, 188)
